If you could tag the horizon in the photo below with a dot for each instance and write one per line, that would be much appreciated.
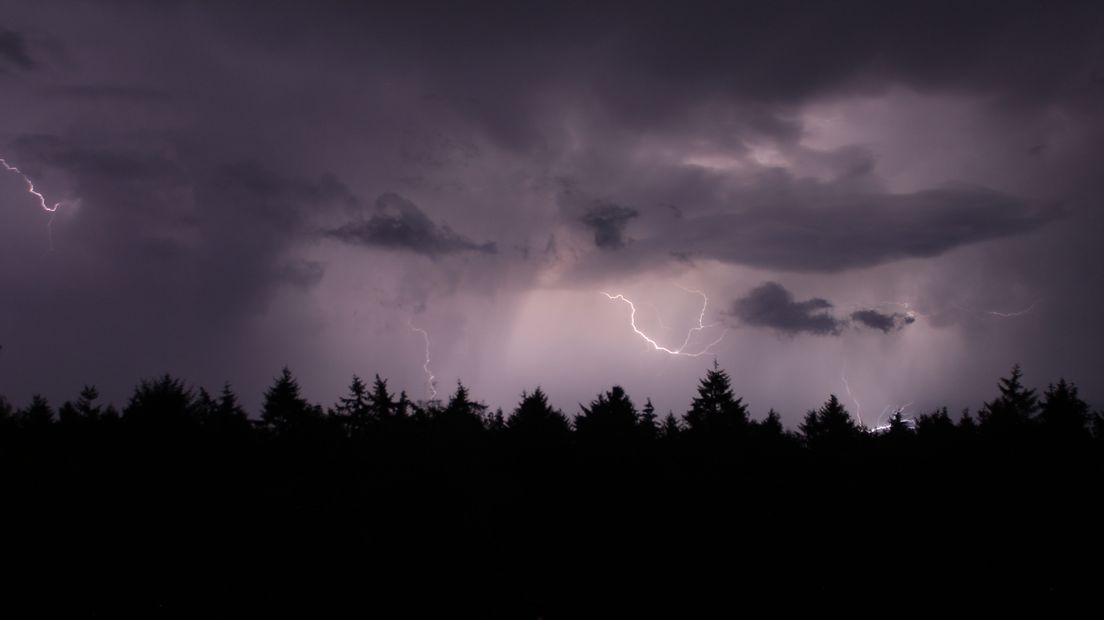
(790, 420)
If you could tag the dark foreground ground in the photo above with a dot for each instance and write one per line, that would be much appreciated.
(465, 528)
(181, 506)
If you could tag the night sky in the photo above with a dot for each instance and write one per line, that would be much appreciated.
(902, 200)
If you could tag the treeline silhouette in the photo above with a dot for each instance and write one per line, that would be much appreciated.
(181, 501)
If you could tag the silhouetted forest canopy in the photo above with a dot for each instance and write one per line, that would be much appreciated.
(181, 498)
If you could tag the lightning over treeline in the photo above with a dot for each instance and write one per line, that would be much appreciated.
(431, 380)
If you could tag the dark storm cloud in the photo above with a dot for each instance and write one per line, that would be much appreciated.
(399, 224)
(14, 51)
(102, 164)
(608, 222)
(648, 67)
(771, 305)
(881, 321)
(853, 231)
(177, 227)
(303, 273)
(109, 92)
(278, 201)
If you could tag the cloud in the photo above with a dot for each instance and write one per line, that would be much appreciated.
(110, 92)
(605, 218)
(609, 222)
(828, 234)
(771, 305)
(399, 224)
(13, 50)
(162, 226)
(301, 273)
(881, 321)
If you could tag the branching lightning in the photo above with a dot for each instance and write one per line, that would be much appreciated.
(882, 427)
(681, 350)
(38, 195)
(431, 381)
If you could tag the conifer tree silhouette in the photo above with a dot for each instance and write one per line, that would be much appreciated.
(1012, 411)
(164, 403)
(354, 410)
(38, 415)
(461, 415)
(611, 415)
(534, 417)
(380, 404)
(227, 417)
(716, 409)
(284, 410)
(86, 403)
(1063, 415)
(671, 427)
(831, 427)
(648, 423)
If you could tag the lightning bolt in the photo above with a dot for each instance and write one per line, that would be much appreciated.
(681, 350)
(1006, 315)
(881, 428)
(431, 381)
(847, 386)
(37, 194)
(910, 310)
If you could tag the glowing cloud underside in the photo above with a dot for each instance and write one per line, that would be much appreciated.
(681, 350)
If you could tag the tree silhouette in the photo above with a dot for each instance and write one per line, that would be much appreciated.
(83, 412)
(462, 415)
(534, 417)
(380, 403)
(671, 427)
(402, 406)
(611, 415)
(227, 417)
(284, 410)
(1097, 426)
(648, 422)
(936, 428)
(1012, 411)
(38, 415)
(477, 492)
(1063, 415)
(354, 411)
(716, 410)
(898, 426)
(771, 428)
(772, 425)
(164, 405)
(830, 428)
(86, 403)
